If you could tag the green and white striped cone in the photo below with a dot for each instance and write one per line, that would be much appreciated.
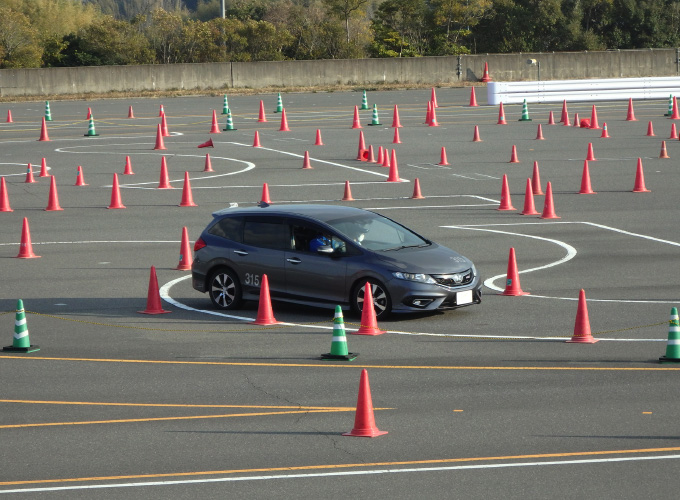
(339, 342)
(48, 113)
(230, 123)
(279, 104)
(670, 106)
(375, 120)
(21, 343)
(525, 113)
(225, 105)
(90, 128)
(673, 346)
(364, 101)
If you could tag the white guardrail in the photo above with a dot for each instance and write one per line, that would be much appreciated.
(582, 90)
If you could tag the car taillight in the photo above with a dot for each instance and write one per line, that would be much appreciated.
(199, 244)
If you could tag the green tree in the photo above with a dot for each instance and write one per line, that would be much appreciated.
(402, 28)
(164, 32)
(345, 9)
(19, 43)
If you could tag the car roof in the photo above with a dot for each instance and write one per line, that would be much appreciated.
(323, 213)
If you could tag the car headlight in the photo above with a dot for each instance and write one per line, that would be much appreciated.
(420, 278)
(474, 270)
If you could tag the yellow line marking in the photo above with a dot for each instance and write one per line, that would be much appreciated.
(343, 466)
(310, 365)
(455, 411)
(293, 407)
(646, 412)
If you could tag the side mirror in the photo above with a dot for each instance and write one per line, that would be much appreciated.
(325, 249)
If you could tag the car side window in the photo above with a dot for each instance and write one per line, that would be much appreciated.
(230, 228)
(273, 235)
(307, 238)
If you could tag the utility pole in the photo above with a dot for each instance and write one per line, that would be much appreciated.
(223, 11)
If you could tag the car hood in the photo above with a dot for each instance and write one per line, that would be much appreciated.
(434, 259)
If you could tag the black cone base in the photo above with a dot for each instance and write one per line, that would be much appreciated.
(10, 348)
(351, 356)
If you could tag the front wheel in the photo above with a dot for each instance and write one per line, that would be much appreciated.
(382, 303)
(224, 289)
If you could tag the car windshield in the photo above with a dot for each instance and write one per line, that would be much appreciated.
(377, 233)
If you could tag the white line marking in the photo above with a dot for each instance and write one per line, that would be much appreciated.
(346, 473)
(93, 242)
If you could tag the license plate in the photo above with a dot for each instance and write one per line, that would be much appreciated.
(464, 297)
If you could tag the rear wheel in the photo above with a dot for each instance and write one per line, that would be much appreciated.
(224, 289)
(382, 303)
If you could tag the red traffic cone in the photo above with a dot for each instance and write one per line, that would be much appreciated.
(577, 120)
(605, 134)
(664, 152)
(208, 164)
(80, 178)
(640, 179)
(89, 113)
(116, 202)
(513, 156)
(475, 136)
(443, 160)
(153, 298)
(536, 180)
(184, 252)
(585, 180)
(4, 197)
(128, 167)
(396, 139)
(362, 146)
(256, 140)
(506, 203)
(582, 334)
(674, 113)
(590, 156)
(593, 118)
(164, 127)
(674, 132)
(473, 98)
(43, 131)
(9, 116)
(307, 165)
(631, 113)
(159, 139)
(549, 206)
(433, 117)
(650, 130)
(29, 175)
(356, 123)
(417, 195)
(539, 133)
(364, 419)
(386, 159)
(529, 206)
(284, 122)
(208, 143)
(371, 154)
(25, 246)
(551, 119)
(501, 115)
(369, 322)
(433, 99)
(565, 114)
(161, 111)
(395, 118)
(318, 141)
(130, 113)
(348, 193)
(512, 286)
(428, 114)
(265, 315)
(265, 195)
(164, 182)
(380, 158)
(187, 197)
(485, 76)
(53, 201)
(393, 175)
(43, 168)
(262, 118)
(215, 128)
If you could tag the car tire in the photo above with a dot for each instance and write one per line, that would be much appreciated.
(224, 289)
(382, 301)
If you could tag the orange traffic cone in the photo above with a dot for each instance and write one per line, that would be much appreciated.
(265, 195)
(364, 419)
(417, 195)
(379, 160)
(53, 201)
(674, 132)
(433, 99)
(164, 182)
(262, 118)
(395, 118)
(386, 159)
(207, 144)
(184, 252)
(164, 127)
(393, 176)
(362, 146)
(43, 131)
(664, 152)
(590, 156)
(307, 165)
(577, 121)
(536, 180)
(397, 139)
(593, 118)
(356, 123)
(43, 168)
(513, 156)
(265, 315)
(80, 179)
(512, 286)
(650, 130)
(89, 113)
(443, 160)
(284, 122)
(631, 114)
(585, 180)
(318, 141)
(539, 133)
(605, 134)
(551, 118)
(433, 117)
(371, 155)
(159, 139)
(565, 114)
(369, 322)
(348, 193)
(25, 246)
(475, 136)
(153, 298)
(9, 116)
(215, 128)
(473, 98)
(529, 206)
(548, 206)
(29, 175)
(256, 140)
(208, 164)
(501, 115)
(506, 203)
(161, 111)
(485, 76)
(187, 197)
(674, 112)
(640, 179)
(128, 167)
(4, 197)
(130, 113)
(582, 334)
(428, 114)
(116, 202)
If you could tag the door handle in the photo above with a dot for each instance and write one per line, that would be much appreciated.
(294, 260)
(240, 252)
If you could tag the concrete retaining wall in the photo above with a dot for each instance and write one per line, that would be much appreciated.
(361, 72)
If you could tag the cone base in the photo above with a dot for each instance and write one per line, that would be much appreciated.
(91, 135)
(183, 267)
(368, 331)
(365, 433)
(514, 293)
(374, 124)
(31, 348)
(664, 359)
(582, 340)
(117, 207)
(159, 311)
(229, 129)
(350, 356)
(525, 120)
(32, 256)
(264, 322)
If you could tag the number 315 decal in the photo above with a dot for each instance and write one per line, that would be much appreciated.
(252, 279)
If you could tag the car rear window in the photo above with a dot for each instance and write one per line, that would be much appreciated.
(230, 228)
